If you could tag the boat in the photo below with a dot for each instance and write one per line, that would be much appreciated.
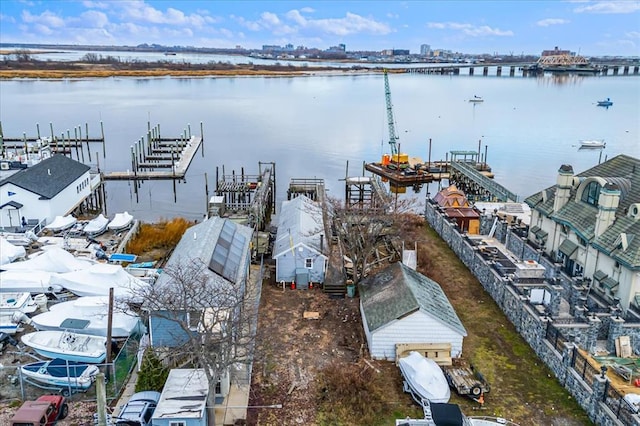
(34, 282)
(61, 223)
(98, 279)
(593, 143)
(52, 259)
(606, 103)
(120, 221)
(88, 315)
(10, 322)
(11, 302)
(61, 373)
(96, 226)
(424, 379)
(476, 99)
(10, 252)
(67, 345)
(436, 414)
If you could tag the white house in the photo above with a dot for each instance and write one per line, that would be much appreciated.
(53, 187)
(299, 248)
(590, 224)
(400, 305)
(184, 398)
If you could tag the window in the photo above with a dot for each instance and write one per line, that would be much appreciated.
(308, 263)
(582, 242)
(578, 270)
(177, 423)
(591, 193)
(193, 318)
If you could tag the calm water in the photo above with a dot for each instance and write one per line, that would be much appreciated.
(313, 126)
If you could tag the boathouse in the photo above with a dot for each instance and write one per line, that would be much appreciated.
(589, 223)
(399, 305)
(299, 247)
(53, 187)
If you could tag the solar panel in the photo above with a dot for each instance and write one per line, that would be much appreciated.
(227, 254)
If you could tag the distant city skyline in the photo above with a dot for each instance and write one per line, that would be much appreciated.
(590, 28)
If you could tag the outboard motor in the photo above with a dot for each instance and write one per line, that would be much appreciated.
(20, 317)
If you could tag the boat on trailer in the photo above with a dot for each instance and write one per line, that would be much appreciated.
(61, 373)
(424, 379)
(444, 414)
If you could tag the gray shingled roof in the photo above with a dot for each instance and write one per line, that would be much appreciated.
(398, 291)
(49, 177)
(624, 172)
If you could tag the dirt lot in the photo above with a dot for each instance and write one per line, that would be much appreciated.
(292, 350)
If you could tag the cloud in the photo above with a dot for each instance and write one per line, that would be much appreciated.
(307, 10)
(350, 24)
(95, 4)
(551, 21)
(7, 18)
(632, 34)
(46, 18)
(612, 7)
(94, 19)
(470, 30)
(141, 12)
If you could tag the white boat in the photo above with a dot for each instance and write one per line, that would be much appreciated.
(61, 373)
(9, 323)
(60, 223)
(436, 414)
(22, 239)
(592, 143)
(96, 226)
(424, 379)
(10, 252)
(28, 281)
(97, 279)
(17, 301)
(120, 221)
(51, 259)
(67, 345)
(476, 99)
(88, 315)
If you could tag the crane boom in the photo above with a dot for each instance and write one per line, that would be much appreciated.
(393, 136)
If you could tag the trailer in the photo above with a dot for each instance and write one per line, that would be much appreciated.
(466, 380)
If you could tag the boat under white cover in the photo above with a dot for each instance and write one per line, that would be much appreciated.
(17, 301)
(97, 279)
(60, 223)
(10, 252)
(120, 221)
(66, 345)
(96, 226)
(28, 281)
(51, 259)
(424, 378)
(88, 315)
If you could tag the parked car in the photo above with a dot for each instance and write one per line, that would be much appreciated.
(45, 411)
(138, 410)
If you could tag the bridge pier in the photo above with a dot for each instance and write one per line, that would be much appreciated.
(499, 71)
(636, 69)
(625, 70)
(471, 70)
(615, 70)
(512, 71)
(485, 71)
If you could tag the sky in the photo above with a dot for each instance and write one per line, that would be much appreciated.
(503, 27)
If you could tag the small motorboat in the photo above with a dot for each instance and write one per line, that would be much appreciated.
(88, 315)
(593, 143)
(96, 226)
(120, 221)
(606, 103)
(10, 322)
(476, 99)
(424, 379)
(61, 223)
(17, 301)
(69, 346)
(436, 414)
(61, 373)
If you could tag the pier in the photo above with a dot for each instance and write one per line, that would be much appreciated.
(155, 157)
(525, 69)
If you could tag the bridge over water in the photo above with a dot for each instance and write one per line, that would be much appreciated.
(523, 69)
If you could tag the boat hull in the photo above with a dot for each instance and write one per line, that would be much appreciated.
(61, 373)
(81, 348)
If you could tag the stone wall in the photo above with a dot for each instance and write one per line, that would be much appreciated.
(527, 321)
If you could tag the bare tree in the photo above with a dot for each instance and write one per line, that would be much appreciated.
(207, 321)
(369, 235)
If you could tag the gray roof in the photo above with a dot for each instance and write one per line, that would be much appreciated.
(218, 243)
(49, 177)
(299, 221)
(398, 291)
(623, 172)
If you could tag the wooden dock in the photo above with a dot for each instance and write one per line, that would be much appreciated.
(407, 177)
(158, 164)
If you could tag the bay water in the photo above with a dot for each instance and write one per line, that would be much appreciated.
(314, 126)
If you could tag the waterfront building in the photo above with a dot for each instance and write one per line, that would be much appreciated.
(425, 50)
(589, 223)
(456, 207)
(56, 186)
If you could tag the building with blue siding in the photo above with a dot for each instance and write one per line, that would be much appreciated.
(299, 248)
